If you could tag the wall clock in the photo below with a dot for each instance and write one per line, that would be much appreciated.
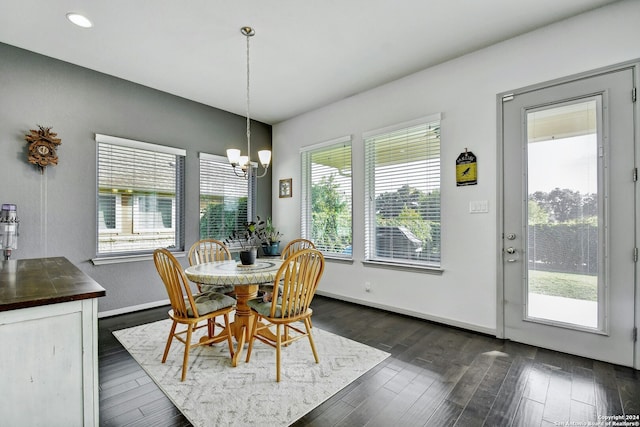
(42, 147)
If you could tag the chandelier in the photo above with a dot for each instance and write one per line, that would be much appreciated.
(237, 160)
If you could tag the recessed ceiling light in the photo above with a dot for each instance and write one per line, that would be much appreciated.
(79, 20)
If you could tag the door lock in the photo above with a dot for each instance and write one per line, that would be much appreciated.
(511, 236)
(512, 253)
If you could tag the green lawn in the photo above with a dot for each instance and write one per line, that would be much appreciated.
(576, 286)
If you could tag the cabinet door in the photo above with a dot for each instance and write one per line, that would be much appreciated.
(48, 361)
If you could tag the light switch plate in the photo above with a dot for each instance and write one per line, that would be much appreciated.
(479, 206)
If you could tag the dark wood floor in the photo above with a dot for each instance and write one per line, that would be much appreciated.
(436, 376)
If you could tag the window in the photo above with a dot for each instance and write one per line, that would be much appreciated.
(108, 205)
(402, 187)
(223, 198)
(326, 196)
(153, 213)
(140, 196)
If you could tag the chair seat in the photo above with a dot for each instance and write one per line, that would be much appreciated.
(264, 308)
(223, 289)
(268, 287)
(208, 302)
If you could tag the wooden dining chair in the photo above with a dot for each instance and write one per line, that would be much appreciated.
(188, 309)
(299, 276)
(207, 250)
(291, 247)
(296, 245)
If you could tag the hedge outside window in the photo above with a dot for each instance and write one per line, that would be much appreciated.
(140, 196)
(326, 196)
(402, 190)
(223, 198)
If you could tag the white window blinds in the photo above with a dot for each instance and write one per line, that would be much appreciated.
(140, 196)
(223, 198)
(326, 196)
(402, 184)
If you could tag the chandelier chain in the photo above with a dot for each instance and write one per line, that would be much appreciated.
(236, 159)
(248, 104)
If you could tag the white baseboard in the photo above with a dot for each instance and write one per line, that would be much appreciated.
(132, 308)
(441, 320)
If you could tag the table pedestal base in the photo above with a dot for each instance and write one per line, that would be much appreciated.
(245, 280)
(242, 326)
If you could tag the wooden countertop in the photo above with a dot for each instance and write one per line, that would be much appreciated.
(41, 281)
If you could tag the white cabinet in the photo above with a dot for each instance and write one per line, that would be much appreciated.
(49, 361)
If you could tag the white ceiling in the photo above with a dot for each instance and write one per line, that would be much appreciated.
(305, 53)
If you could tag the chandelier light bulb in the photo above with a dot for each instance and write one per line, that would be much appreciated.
(265, 157)
(233, 154)
(244, 161)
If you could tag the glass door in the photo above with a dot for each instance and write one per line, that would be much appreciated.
(565, 214)
(568, 218)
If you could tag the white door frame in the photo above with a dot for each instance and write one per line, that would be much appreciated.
(500, 284)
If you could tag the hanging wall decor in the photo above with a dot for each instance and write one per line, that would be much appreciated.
(466, 169)
(42, 147)
(285, 188)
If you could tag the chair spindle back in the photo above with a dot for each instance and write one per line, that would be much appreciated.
(207, 250)
(175, 282)
(298, 277)
(295, 246)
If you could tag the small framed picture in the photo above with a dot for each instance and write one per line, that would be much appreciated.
(285, 188)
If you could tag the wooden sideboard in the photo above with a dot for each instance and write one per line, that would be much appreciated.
(48, 344)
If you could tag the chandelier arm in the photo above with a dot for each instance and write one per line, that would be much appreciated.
(266, 169)
(244, 174)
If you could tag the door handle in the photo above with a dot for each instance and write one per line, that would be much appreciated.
(511, 251)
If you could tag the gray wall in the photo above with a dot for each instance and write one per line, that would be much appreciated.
(57, 209)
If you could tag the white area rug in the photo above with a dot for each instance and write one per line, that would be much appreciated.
(216, 394)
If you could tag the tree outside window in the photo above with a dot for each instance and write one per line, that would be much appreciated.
(402, 185)
(326, 190)
(223, 198)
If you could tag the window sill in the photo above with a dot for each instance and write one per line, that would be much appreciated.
(105, 260)
(333, 258)
(402, 266)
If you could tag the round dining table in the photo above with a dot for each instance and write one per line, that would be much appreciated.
(245, 280)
